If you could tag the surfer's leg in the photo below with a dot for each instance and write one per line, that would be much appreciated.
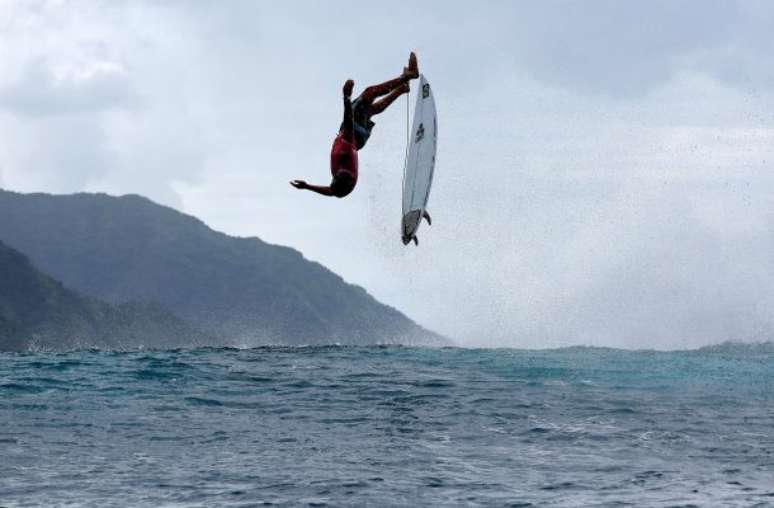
(347, 129)
(382, 104)
(410, 72)
(375, 91)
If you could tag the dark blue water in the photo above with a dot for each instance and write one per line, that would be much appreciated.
(343, 426)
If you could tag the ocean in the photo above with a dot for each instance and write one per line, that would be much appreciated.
(388, 426)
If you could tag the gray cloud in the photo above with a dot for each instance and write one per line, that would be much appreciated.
(40, 92)
(617, 48)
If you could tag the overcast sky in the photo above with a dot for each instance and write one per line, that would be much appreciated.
(605, 168)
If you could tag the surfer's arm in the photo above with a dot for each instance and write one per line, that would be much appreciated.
(319, 189)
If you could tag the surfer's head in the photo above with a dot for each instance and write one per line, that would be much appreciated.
(342, 184)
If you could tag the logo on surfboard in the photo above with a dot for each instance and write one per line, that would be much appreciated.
(420, 133)
(426, 90)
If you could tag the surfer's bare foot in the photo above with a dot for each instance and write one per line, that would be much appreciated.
(412, 71)
(347, 89)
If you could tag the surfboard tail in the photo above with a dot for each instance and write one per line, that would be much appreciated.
(410, 224)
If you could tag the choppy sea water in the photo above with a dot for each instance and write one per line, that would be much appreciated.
(388, 426)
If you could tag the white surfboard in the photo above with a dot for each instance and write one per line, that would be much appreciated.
(420, 162)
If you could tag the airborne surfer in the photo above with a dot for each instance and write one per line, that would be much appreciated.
(356, 129)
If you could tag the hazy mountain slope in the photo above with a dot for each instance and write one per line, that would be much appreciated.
(129, 248)
(38, 312)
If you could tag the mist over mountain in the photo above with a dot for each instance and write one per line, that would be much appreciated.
(38, 312)
(242, 290)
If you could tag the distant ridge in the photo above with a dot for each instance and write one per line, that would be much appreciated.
(740, 347)
(39, 313)
(242, 290)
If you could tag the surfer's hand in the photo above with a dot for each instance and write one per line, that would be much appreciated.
(348, 86)
(299, 184)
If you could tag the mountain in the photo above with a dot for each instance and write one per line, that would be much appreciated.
(245, 291)
(38, 312)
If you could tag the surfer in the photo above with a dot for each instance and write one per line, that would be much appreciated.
(356, 128)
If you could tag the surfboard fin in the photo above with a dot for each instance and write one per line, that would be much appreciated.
(427, 218)
(416, 240)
